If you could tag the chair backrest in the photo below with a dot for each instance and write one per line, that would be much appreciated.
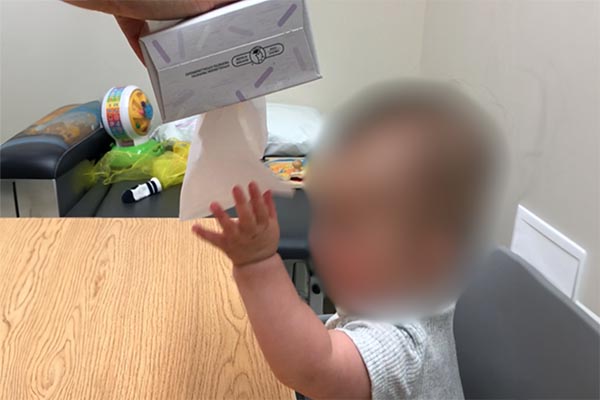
(519, 337)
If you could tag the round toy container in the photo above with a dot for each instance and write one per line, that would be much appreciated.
(126, 115)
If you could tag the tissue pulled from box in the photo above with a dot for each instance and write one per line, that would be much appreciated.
(226, 150)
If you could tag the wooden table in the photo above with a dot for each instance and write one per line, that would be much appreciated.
(122, 309)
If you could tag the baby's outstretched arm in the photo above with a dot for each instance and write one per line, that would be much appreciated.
(301, 352)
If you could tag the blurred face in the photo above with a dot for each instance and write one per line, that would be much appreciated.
(370, 247)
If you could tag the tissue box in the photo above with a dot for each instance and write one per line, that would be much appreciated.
(238, 52)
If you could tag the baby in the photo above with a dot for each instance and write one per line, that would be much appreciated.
(398, 190)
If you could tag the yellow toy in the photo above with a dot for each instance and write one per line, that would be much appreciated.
(126, 115)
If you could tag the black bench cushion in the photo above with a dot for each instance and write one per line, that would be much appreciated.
(55, 144)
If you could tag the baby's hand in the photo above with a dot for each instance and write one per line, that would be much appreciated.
(254, 236)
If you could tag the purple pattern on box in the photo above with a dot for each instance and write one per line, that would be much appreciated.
(240, 95)
(261, 79)
(284, 18)
(161, 51)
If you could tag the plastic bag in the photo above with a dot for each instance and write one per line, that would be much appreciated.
(170, 167)
(166, 161)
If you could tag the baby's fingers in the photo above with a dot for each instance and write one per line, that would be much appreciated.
(258, 205)
(229, 227)
(270, 204)
(247, 222)
(214, 238)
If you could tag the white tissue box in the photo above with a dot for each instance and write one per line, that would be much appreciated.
(238, 52)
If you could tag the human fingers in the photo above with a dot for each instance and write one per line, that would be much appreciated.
(214, 238)
(261, 213)
(270, 204)
(229, 227)
(246, 219)
(132, 29)
(154, 10)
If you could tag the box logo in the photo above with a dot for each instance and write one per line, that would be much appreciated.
(258, 55)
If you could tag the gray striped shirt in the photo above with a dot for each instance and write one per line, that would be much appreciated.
(412, 361)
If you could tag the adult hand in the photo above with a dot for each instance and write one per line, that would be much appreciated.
(131, 15)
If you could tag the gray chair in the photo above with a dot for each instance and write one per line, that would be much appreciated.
(519, 337)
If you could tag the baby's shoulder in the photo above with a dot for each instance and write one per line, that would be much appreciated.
(388, 334)
(418, 332)
(404, 360)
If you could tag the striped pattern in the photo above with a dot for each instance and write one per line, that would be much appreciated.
(152, 187)
(413, 361)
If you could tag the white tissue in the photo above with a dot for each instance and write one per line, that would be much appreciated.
(226, 150)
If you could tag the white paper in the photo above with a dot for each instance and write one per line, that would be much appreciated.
(226, 150)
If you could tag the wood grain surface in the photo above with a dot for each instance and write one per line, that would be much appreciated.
(122, 309)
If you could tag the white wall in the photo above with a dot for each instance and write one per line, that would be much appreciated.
(540, 60)
(360, 42)
(52, 54)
